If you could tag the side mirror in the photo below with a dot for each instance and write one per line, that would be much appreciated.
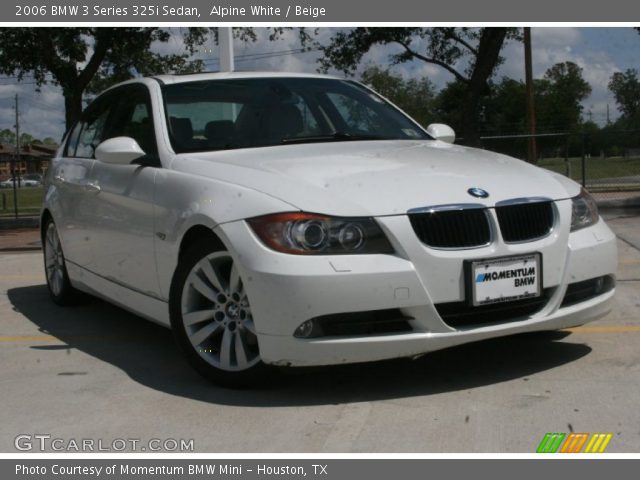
(119, 151)
(442, 132)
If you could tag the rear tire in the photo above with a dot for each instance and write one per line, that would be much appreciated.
(60, 289)
(211, 318)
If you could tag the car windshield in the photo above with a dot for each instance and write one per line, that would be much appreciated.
(258, 112)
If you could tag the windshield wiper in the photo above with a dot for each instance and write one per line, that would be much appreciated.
(333, 137)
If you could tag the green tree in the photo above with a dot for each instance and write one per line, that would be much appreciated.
(49, 141)
(625, 87)
(447, 47)
(26, 139)
(415, 97)
(75, 58)
(560, 94)
(7, 136)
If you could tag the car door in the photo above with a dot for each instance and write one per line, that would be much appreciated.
(73, 189)
(123, 212)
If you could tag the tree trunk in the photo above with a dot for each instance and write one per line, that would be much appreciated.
(72, 107)
(491, 41)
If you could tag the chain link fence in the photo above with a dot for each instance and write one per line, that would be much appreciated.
(25, 200)
(606, 162)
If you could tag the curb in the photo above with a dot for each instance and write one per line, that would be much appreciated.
(20, 222)
(20, 249)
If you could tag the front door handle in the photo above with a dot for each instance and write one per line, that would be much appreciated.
(92, 187)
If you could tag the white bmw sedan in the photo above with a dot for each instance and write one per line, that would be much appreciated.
(281, 219)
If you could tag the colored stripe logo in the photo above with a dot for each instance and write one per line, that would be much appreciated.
(574, 442)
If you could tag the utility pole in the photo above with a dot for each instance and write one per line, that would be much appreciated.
(225, 41)
(532, 156)
(16, 160)
(608, 120)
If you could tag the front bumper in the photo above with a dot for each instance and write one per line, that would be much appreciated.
(286, 290)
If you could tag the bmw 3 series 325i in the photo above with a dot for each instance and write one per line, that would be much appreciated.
(304, 220)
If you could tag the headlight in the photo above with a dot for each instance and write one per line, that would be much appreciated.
(584, 211)
(312, 234)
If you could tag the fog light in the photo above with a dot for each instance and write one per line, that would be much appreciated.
(307, 329)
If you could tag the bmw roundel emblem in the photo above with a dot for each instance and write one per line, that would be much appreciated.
(478, 192)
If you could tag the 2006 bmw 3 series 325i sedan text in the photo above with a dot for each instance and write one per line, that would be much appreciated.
(304, 220)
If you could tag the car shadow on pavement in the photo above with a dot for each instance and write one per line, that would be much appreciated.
(147, 354)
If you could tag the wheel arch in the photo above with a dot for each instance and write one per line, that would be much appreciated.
(196, 233)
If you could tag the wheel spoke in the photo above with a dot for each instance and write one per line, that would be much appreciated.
(241, 355)
(225, 349)
(205, 332)
(192, 318)
(202, 288)
(211, 275)
(234, 279)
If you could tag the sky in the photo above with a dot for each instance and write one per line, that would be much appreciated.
(600, 51)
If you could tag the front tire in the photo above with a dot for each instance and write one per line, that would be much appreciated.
(211, 318)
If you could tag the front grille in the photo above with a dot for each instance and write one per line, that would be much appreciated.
(525, 222)
(587, 289)
(461, 314)
(466, 228)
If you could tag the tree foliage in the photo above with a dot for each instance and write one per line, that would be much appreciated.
(562, 89)
(625, 87)
(7, 136)
(415, 97)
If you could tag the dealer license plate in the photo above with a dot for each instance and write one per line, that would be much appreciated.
(505, 279)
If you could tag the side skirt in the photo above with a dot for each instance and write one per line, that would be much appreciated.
(138, 303)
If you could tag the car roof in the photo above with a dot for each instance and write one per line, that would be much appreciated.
(229, 75)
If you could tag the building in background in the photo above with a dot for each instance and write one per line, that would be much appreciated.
(34, 159)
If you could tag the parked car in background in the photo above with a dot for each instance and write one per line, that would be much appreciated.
(20, 182)
(32, 180)
(281, 219)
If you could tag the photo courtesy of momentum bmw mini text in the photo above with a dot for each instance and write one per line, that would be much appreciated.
(319, 239)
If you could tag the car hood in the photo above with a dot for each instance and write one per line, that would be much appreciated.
(373, 178)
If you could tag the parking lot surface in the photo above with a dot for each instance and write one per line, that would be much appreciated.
(97, 372)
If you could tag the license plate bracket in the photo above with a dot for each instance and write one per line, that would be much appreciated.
(503, 279)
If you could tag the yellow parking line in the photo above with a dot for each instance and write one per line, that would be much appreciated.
(52, 338)
(20, 277)
(27, 338)
(605, 329)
